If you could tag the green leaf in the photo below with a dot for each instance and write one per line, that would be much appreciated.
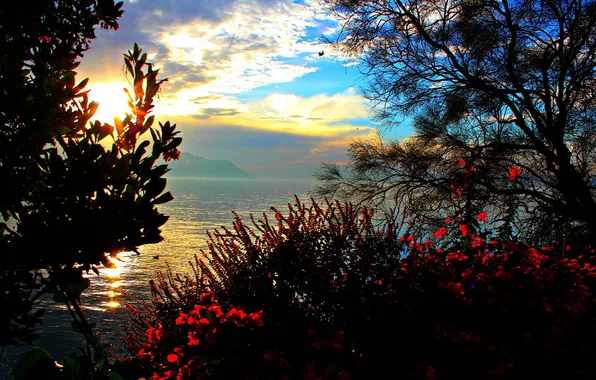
(115, 376)
(27, 361)
(72, 367)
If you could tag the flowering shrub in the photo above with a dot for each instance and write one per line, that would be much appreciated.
(462, 306)
(213, 342)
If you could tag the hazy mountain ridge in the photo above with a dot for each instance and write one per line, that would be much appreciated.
(196, 166)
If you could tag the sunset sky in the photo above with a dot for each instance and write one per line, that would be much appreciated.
(246, 82)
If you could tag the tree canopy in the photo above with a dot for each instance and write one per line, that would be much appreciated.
(75, 193)
(501, 96)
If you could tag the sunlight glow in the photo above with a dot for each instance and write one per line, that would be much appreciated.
(112, 101)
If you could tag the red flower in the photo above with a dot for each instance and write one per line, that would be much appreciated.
(154, 335)
(447, 220)
(207, 296)
(216, 310)
(455, 288)
(236, 314)
(172, 358)
(181, 320)
(441, 233)
(464, 229)
(172, 154)
(477, 242)
(192, 339)
(204, 321)
(481, 217)
(255, 318)
(514, 173)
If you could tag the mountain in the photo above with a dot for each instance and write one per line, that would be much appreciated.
(196, 166)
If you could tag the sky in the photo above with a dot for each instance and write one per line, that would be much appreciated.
(245, 80)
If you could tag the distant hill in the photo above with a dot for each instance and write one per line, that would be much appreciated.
(196, 166)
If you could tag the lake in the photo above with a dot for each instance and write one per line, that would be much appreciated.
(199, 205)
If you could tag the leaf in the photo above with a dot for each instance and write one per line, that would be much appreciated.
(81, 85)
(164, 198)
(149, 122)
(92, 108)
(72, 366)
(78, 288)
(119, 125)
(27, 361)
(115, 376)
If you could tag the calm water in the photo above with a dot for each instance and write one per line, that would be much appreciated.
(199, 205)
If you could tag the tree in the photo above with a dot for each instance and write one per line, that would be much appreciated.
(501, 94)
(71, 199)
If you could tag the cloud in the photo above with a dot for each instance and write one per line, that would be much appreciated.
(317, 115)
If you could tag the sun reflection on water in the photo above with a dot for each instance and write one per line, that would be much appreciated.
(113, 274)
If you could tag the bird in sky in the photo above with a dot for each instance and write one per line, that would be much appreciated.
(321, 53)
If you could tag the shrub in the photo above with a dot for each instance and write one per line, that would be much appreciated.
(469, 307)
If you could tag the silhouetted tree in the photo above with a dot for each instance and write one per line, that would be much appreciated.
(501, 94)
(70, 198)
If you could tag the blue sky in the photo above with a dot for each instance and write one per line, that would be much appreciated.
(245, 80)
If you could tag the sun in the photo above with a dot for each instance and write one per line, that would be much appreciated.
(112, 101)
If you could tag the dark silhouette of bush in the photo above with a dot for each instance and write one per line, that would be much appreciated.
(462, 306)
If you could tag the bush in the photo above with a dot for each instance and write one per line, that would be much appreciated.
(469, 307)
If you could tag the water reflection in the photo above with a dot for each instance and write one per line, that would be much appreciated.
(112, 274)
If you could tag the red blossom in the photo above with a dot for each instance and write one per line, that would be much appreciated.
(181, 320)
(172, 358)
(441, 233)
(154, 334)
(455, 288)
(464, 229)
(208, 297)
(477, 242)
(481, 217)
(255, 318)
(216, 310)
(236, 314)
(192, 339)
(447, 220)
(514, 173)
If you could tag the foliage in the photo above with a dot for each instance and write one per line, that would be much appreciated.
(457, 305)
(72, 198)
(497, 84)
